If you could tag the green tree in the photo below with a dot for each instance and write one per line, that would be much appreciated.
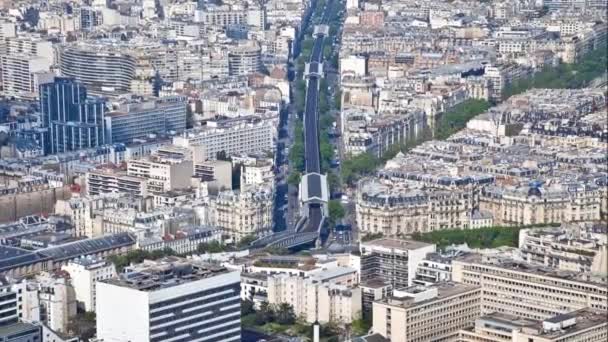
(247, 307)
(336, 211)
(265, 314)
(284, 314)
(361, 326)
(246, 240)
(294, 178)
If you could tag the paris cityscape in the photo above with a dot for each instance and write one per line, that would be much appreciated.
(303, 170)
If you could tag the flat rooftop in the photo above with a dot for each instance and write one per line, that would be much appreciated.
(165, 273)
(444, 290)
(507, 263)
(396, 244)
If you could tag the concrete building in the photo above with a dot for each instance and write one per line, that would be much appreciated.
(355, 65)
(585, 324)
(327, 296)
(103, 69)
(162, 174)
(528, 291)
(245, 59)
(169, 300)
(47, 298)
(219, 172)
(140, 119)
(84, 275)
(105, 181)
(434, 269)
(257, 173)
(22, 75)
(21, 332)
(569, 248)
(392, 261)
(427, 314)
(234, 137)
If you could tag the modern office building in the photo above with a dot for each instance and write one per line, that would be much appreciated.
(245, 59)
(141, 118)
(392, 261)
(170, 300)
(528, 291)
(427, 314)
(74, 120)
(102, 68)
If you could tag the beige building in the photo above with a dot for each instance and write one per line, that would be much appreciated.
(328, 296)
(242, 213)
(162, 174)
(427, 314)
(526, 205)
(393, 208)
(528, 291)
(564, 248)
(582, 325)
(105, 181)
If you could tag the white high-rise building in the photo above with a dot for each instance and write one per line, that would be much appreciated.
(170, 300)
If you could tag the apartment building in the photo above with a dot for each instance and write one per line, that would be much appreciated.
(140, 119)
(567, 248)
(427, 314)
(10, 327)
(84, 274)
(234, 137)
(328, 296)
(169, 300)
(22, 75)
(528, 291)
(581, 325)
(375, 134)
(103, 68)
(245, 212)
(537, 203)
(162, 174)
(394, 208)
(103, 181)
(217, 171)
(392, 261)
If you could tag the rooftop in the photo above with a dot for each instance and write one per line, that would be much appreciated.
(395, 244)
(166, 273)
(442, 290)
